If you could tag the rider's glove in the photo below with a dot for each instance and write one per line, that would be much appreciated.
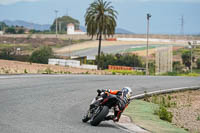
(99, 91)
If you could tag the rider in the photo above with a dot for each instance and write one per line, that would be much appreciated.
(124, 95)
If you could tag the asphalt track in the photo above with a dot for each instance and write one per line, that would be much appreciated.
(109, 49)
(56, 103)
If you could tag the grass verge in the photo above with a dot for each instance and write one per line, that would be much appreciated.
(126, 72)
(194, 74)
(142, 114)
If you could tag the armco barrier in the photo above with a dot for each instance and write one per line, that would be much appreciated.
(53, 61)
(71, 63)
(140, 96)
(84, 66)
(62, 62)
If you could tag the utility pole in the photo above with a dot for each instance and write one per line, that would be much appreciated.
(147, 49)
(56, 11)
(190, 46)
(182, 25)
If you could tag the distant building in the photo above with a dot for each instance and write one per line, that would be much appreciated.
(71, 30)
(1, 32)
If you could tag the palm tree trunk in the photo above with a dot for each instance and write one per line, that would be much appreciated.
(99, 52)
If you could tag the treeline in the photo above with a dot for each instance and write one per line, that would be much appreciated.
(12, 29)
(40, 55)
(120, 60)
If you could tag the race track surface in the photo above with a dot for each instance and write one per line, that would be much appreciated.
(56, 103)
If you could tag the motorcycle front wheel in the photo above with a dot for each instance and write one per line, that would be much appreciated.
(96, 120)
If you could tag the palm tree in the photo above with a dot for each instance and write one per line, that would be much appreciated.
(100, 19)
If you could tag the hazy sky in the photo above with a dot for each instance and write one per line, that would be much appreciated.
(166, 14)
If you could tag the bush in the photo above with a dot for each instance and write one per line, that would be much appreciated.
(177, 66)
(120, 60)
(186, 57)
(6, 53)
(198, 63)
(41, 55)
(164, 114)
(10, 30)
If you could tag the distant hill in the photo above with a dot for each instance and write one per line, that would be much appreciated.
(118, 30)
(41, 27)
(123, 31)
(28, 25)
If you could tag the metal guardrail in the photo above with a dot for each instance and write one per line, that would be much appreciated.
(140, 96)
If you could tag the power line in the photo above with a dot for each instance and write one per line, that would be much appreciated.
(56, 11)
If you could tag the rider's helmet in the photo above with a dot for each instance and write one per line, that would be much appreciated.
(126, 92)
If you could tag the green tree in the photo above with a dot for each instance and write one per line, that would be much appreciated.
(186, 58)
(41, 55)
(63, 22)
(6, 53)
(177, 66)
(198, 63)
(119, 60)
(20, 31)
(10, 30)
(100, 19)
(2, 26)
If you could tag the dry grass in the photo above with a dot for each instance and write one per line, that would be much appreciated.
(16, 67)
(187, 111)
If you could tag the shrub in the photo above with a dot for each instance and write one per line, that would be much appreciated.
(198, 63)
(177, 66)
(120, 60)
(198, 118)
(164, 114)
(25, 71)
(6, 53)
(48, 71)
(41, 55)
(186, 57)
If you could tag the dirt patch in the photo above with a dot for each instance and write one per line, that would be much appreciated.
(16, 67)
(187, 112)
(185, 107)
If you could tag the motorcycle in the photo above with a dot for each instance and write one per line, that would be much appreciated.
(99, 108)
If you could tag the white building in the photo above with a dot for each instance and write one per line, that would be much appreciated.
(71, 30)
(1, 32)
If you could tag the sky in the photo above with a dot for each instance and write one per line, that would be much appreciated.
(166, 14)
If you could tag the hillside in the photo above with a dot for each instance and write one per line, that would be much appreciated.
(62, 21)
(28, 25)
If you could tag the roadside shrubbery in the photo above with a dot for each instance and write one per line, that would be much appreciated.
(41, 55)
(164, 102)
(120, 60)
(164, 114)
(198, 63)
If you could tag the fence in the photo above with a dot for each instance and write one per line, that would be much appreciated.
(71, 63)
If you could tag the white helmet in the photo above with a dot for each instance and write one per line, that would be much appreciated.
(127, 92)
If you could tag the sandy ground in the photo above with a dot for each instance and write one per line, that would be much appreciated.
(16, 67)
(186, 114)
(92, 44)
